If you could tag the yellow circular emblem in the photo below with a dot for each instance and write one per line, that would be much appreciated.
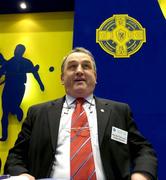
(120, 35)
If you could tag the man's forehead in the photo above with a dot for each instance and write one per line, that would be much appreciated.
(70, 61)
(78, 57)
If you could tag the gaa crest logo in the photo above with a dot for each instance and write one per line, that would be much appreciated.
(121, 36)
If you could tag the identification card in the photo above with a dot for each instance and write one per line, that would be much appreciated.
(119, 135)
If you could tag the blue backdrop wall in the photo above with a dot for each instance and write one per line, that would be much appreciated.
(128, 40)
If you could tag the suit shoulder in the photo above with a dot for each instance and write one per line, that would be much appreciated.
(47, 104)
(112, 103)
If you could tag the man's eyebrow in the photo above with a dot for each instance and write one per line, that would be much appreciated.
(72, 61)
(75, 61)
(87, 61)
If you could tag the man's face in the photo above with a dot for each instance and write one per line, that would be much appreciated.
(79, 76)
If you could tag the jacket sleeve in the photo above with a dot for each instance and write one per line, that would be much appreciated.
(17, 160)
(142, 153)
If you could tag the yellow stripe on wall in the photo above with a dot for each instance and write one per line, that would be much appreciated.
(163, 6)
(48, 38)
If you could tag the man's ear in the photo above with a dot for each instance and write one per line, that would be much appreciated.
(96, 78)
(62, 79)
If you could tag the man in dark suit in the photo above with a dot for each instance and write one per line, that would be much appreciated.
(119, 150)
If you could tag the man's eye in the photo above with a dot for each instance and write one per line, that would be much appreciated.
(86, 66)
(73, 66)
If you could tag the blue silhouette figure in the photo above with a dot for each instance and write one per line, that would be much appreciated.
(15, 71)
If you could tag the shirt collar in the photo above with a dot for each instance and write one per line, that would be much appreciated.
(70, 99)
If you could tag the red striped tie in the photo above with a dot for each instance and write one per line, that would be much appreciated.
(81, 156)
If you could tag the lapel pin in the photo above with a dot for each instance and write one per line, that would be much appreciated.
(102, 110)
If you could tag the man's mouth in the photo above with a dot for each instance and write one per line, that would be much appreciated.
(79, 80)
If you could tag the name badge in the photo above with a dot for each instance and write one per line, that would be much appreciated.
(119, 135)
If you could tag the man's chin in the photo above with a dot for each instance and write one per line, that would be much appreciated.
(80, 92)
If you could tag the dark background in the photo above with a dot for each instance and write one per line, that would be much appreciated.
(12, 6)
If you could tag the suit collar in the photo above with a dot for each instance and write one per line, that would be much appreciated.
(54, 115)
(103, 114)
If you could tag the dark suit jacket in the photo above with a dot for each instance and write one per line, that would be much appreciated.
(35, 149)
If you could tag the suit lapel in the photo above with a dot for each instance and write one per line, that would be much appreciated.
(54, 115)
(103, 114)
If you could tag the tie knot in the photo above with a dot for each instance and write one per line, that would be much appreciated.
(80, 101)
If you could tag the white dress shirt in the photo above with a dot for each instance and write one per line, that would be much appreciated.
(61, 166)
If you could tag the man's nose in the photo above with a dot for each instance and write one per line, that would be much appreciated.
(79, 69)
